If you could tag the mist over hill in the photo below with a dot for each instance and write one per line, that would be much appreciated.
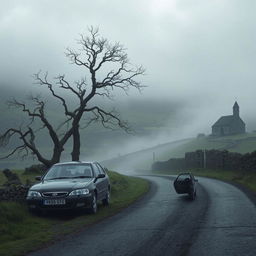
(154, 122)
(141, 161)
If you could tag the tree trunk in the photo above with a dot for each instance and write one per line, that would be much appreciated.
(55, 159)
(76, 144)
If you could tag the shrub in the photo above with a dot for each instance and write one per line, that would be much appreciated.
(35, 169)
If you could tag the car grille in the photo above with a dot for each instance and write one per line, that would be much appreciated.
(55, 194)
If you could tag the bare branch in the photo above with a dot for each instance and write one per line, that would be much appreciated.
(81, 85)
(31, 113)
(118, 80)
(94, 119)
(65, 85)
(5, 138)
(75, 58)
(17, 149)
(27, 142)
(108, 119)
(66, 122)
(44, 82)
(106, 94)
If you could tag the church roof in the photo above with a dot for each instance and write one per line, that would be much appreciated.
(226, 120)
(235, 105)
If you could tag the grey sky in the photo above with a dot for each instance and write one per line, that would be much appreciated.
(199, 52)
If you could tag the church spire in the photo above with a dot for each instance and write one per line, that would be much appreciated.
(236, 110)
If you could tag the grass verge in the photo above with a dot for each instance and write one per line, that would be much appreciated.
(246, 179)
(21, 232)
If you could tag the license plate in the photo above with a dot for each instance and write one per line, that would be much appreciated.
(54, 202)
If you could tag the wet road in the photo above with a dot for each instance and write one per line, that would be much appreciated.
(221, 221)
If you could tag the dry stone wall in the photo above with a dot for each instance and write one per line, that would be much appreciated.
(13, 193)
(210, 159)
(13, 189)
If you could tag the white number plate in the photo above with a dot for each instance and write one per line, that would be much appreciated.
(54, 202)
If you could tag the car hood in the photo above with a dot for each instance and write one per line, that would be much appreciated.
(61, 185)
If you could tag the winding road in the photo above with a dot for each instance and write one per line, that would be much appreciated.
(221, 221)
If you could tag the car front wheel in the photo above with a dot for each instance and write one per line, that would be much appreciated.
(93, 208)
(106, 200)
(192, 195)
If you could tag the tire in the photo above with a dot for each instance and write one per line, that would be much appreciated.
(192, 195)
(106, 200)
(94, 207)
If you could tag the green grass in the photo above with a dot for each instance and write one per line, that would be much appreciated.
(2, 178)
(242, 143)
(193, 145)
(245, 146)
(21, 232)
(247, 179)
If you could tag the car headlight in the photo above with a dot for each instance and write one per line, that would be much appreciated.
(32, 193)
(79, 192)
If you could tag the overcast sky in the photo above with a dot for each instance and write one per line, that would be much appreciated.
(201, 53)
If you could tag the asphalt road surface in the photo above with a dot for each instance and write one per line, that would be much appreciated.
(221, 221)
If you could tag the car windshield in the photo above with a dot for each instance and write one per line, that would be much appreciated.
(183, 177)
(69, 171)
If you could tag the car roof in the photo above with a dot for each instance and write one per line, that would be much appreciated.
(76, 162)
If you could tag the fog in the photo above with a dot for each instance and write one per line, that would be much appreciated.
(199, 58)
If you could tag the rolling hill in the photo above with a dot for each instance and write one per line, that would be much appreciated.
(142, 160)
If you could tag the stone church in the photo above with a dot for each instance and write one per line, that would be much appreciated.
(229, 125)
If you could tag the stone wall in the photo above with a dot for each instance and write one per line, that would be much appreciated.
(194, 159)
(13, 193)
(210, 159)
(13, 189)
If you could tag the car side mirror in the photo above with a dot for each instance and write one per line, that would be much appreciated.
(196, 180)
(39, 178)
(100, 176)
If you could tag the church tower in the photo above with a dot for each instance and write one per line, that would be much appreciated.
(229, 125)
(236, 110)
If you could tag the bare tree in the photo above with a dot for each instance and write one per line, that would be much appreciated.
(27, 133)
(107, 68)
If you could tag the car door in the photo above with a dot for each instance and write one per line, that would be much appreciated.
(105, 181)
(99, 182)
(181, 184)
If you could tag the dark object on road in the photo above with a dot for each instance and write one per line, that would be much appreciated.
(70, 185)
(185, 183)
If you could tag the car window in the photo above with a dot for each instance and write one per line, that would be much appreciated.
(54, 172)
(82, 170)
(96, 170)
(69, 171)
(100, 168)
